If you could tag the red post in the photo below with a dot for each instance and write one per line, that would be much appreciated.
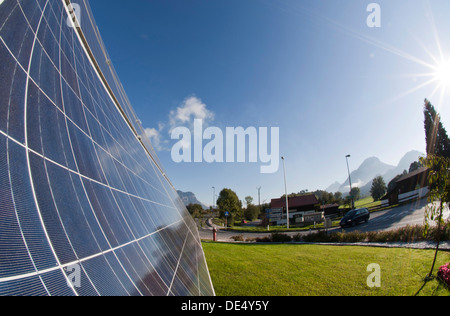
(214, 234)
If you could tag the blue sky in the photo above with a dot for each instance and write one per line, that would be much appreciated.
(314, 69)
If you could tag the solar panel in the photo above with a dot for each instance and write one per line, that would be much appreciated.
(85, 206)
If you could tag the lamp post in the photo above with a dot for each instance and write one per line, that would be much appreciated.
(285, 189)
(214, 197)
(259, 197)
(350, 181)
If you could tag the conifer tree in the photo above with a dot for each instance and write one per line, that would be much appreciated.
(438, 143)
(438, 164)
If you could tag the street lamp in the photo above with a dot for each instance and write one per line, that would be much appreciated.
(259, 196)
(285, 189)
(350, 181)
(214, 197)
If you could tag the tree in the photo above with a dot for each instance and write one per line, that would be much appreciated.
(229, 202)
(325, 197)
(438, 163)
(439, 183)
(415, 166)
(251, 212)
(338, 199)
(355, 193)
(438, 143)
(378, 188)
(248, 200)
(348, 201)
(393, 183)
(195, 210)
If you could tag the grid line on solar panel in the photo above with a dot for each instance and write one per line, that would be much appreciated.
(111, 249)
(14, 243)
(82, 260)
(116, 248)
(83, 176)
(96, 66)
(103, 130)
(128, 187)
(178, 265)
(127, 108)
(125, 151)
(124, 192)
(27, 141)
(47, 236)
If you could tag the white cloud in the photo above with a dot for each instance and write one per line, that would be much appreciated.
(190, 109)
(155, 137)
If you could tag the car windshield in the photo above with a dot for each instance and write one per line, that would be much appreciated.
(350, 214)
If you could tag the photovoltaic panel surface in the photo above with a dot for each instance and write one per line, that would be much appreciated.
(85, 207)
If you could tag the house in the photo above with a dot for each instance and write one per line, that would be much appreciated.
(302, 209)
(410, 186)
(330, 210)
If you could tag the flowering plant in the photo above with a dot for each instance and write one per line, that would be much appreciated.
(444, 273)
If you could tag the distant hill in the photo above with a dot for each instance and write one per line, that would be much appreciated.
(372, 167)
(190, 198)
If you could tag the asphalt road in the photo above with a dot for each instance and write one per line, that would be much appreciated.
(411, 214)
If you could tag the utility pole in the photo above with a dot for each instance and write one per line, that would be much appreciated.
(214, 198)
(259, 196)
(350, 181)
(287, 200)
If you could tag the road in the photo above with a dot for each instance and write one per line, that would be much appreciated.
(411, 214)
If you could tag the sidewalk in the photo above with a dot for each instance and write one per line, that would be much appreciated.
(225, 236)
(425, 245)
(211, 225)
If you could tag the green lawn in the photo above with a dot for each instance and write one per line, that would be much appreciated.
(365, 202)
(300, 270)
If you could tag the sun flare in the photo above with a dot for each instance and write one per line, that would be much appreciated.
(442, 74)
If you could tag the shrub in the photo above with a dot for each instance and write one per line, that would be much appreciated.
(355, 236)
(263, 239)
(278, 237)
(404, 234)
(336, 237)
(274, 237)
(372, 236)
(317, 237)
(297, 238)
(433, 233)
(238, 238)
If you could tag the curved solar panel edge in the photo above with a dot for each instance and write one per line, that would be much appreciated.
(85, 206)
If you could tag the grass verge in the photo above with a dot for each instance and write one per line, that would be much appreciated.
(303, 270)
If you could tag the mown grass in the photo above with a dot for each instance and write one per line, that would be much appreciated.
(303, 270)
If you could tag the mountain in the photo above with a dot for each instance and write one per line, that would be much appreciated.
(372, 167)
(334, 187)
(190, 198)
(404, 164)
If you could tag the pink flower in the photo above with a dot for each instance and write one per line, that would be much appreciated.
(444, 273)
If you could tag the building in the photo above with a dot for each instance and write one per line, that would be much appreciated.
(330, 210)
(410, 186)
(302, 209)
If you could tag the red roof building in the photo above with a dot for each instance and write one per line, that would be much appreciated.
(303, 203)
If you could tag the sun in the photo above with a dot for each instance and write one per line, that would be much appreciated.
(442, 74)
